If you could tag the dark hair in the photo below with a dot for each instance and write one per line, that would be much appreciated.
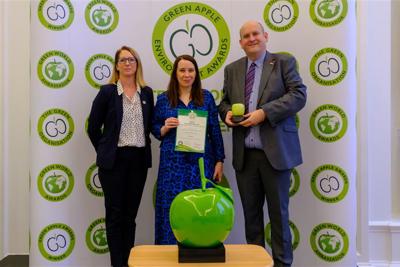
(173, 86)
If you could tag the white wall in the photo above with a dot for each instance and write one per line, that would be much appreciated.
(378, 123)
(15, 38)
(378, 54)
(362, 136)
(1, 130)
(378, 236)
(395, 132)
(396, 110)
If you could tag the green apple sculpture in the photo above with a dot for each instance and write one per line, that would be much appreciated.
(202, 218)
(237, 112)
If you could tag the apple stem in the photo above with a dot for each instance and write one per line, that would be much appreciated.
(187, 25)
(204, 180)
(202, 175)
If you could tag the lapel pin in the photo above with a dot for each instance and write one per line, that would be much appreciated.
(144, 102)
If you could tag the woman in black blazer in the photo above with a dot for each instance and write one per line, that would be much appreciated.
(119, 128)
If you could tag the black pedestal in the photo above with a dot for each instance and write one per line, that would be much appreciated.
(214, 254)
(237, 119)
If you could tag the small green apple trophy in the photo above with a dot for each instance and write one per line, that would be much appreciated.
(237, 112)
(201, 220)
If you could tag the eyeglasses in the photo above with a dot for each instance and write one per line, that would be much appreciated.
(125, 60)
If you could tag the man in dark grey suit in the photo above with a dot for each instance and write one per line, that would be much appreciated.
(266, 144)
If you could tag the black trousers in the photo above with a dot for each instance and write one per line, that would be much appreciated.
(257, 182)
(123, 187)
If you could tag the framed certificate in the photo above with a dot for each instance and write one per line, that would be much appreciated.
(191, 132)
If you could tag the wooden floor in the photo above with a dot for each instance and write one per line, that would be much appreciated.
(15, 261)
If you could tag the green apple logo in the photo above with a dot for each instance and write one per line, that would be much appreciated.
(55, 69)
(101, 17)
(55, 127)
(56, 15)
(329, 243)
(191, 32)
(98, 69)
(328, 66)
(99, 237)
(205, 35)
(328, 124)
(329, 183)
(56, 242)
(96, 237)
(55, 12)
(55, 183)
(281, 15)
(328, 13)
(328, 9)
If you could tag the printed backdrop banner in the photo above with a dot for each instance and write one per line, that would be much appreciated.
(72, 50)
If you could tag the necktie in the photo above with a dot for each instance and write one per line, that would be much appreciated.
(249, 85)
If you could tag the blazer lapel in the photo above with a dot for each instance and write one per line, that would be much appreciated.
(144, 103)
(269, 64)
(241, 77)
(118, 109)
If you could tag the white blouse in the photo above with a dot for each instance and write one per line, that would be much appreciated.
(132, 129)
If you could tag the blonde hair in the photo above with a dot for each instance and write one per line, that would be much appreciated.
(139, 69)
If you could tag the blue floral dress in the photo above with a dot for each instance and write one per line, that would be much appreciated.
(179, 171)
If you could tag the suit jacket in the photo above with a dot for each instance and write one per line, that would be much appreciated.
(107, 112)
(281, 95)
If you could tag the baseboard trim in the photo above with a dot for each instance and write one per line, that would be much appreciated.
(384, 241)
(378, 264)
(15, 261)
(364, 264)
(384, 226)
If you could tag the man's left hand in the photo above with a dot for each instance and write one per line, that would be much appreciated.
(253, 118)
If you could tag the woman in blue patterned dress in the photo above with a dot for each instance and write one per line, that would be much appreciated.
(179, 171)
